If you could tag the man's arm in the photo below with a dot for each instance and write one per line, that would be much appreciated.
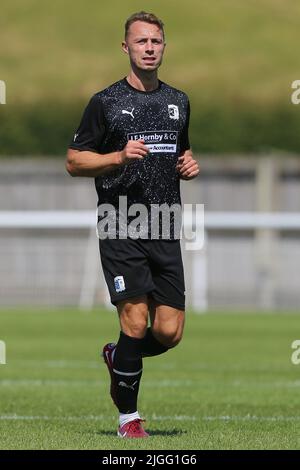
(85, 163)
(91, 164)
(187, 167)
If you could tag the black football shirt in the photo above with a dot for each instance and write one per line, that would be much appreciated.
(160, 118)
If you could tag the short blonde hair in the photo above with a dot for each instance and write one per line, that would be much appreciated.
(147, 18)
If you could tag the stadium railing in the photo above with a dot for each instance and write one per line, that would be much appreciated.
(264, 223)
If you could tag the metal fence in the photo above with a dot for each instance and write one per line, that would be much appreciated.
(249, 260)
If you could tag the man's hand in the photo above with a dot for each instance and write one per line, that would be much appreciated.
(133, 150)
(187, 167)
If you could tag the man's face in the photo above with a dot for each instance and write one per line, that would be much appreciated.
(145, 45)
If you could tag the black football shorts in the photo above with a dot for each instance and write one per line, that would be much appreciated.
(137, 267)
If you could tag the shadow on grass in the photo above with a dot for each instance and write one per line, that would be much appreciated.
(152, 432)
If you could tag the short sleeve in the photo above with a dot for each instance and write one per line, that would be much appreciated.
(184, 140)
(90, 133)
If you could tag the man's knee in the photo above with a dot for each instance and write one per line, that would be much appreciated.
(170, 335)
(133, 318)
(170, 340)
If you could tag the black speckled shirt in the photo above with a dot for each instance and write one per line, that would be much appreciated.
(159, 117)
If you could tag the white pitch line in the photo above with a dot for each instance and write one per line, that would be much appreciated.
(89, 382)
(16, 417)
(50, 418)
(74, 364)
(251, 418)
(146, 383)
(78, 364)
(63, 364)
(89, 418)
(49, 382)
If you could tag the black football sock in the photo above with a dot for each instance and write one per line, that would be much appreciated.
(128, 368)
(151, 346)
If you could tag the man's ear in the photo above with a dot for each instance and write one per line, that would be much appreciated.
(125, 47)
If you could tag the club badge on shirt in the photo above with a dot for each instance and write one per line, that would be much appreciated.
(173, 111)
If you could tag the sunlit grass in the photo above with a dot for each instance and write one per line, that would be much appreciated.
(230, 384)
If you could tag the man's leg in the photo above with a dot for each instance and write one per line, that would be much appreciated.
(157, 340)
(167, 300)
(167, 324)
(127, 364)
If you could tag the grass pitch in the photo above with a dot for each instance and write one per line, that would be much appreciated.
(229, 385)
(231, 50)
(236, 60)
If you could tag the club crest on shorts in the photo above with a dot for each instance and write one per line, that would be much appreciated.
(173, 111)
(119, 283)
